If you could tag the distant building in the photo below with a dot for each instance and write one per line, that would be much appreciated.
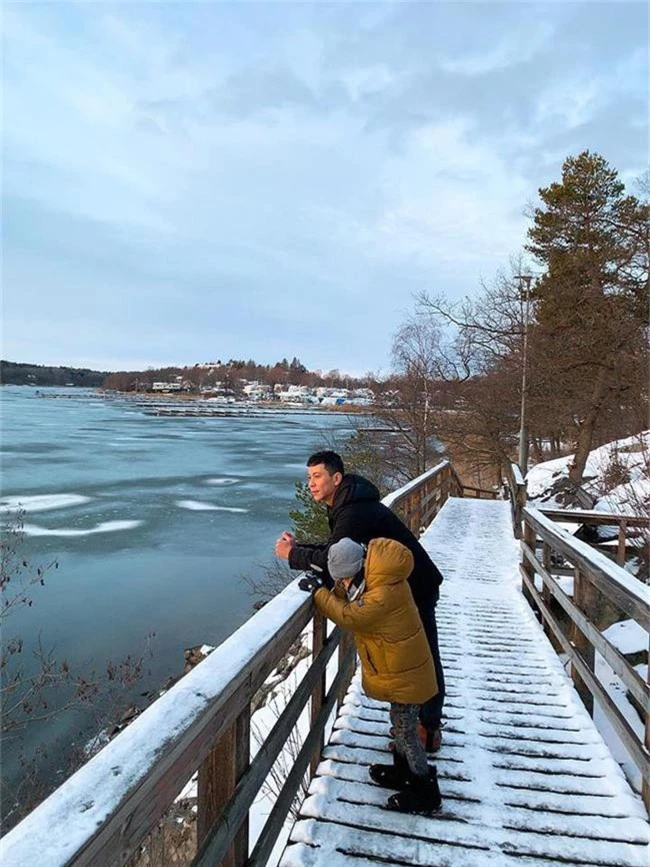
(166, 386)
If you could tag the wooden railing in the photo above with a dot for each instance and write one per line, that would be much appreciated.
(104, 812)
(418, 502)
(624, 545)
(597, 583)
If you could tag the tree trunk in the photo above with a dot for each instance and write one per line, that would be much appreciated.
(586, 430)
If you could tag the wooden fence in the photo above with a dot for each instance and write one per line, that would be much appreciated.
(418, 502)
(624, 544)
(107, 809)
(597, 582)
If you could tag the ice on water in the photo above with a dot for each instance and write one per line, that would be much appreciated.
(198, 506)
(41, 502)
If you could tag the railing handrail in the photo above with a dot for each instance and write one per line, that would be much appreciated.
(593, 516)
(394, 499)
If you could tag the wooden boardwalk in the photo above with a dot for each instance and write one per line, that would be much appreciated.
(526, 779)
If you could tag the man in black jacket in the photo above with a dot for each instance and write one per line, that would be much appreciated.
(354, 510)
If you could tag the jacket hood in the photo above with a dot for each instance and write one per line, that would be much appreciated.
(387, 562)
(354, 489)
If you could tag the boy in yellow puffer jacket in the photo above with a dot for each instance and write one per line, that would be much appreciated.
(372, 599)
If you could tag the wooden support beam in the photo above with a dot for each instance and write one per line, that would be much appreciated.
(318, 695)
(584, 598)
(218, 776)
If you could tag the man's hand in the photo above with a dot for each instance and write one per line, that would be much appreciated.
(310, 583)
(284, 545)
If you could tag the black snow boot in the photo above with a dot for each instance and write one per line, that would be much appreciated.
(421, 796)
(395, 776)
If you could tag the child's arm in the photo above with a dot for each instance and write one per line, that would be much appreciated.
(357, 616)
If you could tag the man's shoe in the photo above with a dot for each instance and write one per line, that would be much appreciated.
(431, 740)
(421, 796)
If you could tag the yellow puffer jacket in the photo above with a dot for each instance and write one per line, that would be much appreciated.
(396, 661)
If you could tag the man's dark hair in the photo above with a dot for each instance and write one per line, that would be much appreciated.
(332, 462)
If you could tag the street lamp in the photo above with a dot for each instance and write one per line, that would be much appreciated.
(524, 288)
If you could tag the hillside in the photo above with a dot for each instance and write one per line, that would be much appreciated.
(617, 477)
(13, 373)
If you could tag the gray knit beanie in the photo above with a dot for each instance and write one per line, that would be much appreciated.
(345, 558)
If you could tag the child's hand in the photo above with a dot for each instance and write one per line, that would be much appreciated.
(310, 583)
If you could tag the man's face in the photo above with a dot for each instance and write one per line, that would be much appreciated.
(322, 486)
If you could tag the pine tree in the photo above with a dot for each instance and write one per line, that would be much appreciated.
(591, 303)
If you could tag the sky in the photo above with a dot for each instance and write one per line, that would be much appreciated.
(187, 182)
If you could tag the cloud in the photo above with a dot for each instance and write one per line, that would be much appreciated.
(184, 182)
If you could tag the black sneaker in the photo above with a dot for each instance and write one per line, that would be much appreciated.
(389, 776)
(421, 796)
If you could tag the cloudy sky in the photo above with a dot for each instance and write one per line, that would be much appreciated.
(191, 181)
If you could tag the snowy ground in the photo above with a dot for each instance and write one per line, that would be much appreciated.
(616, 474)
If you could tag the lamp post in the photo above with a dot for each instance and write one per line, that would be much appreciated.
(524, 287)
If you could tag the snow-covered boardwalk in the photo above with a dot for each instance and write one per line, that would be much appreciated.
(526, 779)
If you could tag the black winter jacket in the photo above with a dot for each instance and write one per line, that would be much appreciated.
(358, 513)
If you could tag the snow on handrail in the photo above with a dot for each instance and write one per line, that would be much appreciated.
(390, 499)
(517, 475)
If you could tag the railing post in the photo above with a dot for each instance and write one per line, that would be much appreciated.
(412, 512)
(320, 690)
(645, 784)
(620, 552)
(585, 597)
(346, 646)
(530, 541)
(218, 776)
(546, 593)
(520, 502)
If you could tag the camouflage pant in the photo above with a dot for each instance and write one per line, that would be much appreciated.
(404, 718)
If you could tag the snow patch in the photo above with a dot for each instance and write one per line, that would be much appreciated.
(627, 636)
